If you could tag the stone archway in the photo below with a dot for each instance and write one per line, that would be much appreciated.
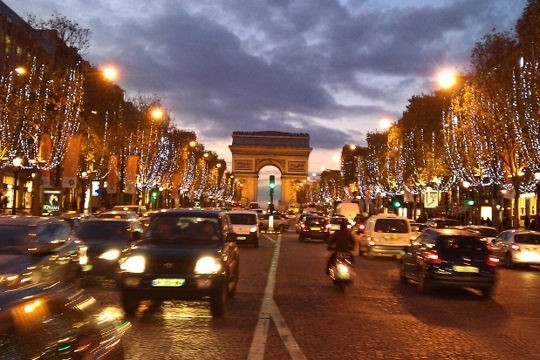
(289, 152)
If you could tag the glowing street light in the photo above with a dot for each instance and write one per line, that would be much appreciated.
(110, 73)
(157, 113)
(385, 123)
(447, 79)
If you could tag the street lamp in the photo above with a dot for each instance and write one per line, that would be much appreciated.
(17, 162)
(468, 205)
(536, 221)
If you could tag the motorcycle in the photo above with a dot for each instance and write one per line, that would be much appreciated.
(341, 269)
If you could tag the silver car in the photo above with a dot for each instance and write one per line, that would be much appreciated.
(517, 247)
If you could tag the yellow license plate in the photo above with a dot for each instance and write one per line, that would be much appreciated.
(316, 228)
(467, 269)
(168, 282)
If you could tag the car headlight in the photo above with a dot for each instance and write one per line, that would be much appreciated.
(253, 229)
(110, 255)
(9, 279)
(133, 264)
(208, 265)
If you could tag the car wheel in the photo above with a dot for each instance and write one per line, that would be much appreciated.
(218, 301)
(402, 277)
(369, 254)
(423, 285)
(130, 304)
(301, 238)
(232, 290)
(508, 261)
(280, 229)
(487, 292)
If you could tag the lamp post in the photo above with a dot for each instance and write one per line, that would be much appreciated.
(466, 186)
(17, 162)
(537, 216)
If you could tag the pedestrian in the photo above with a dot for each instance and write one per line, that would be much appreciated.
(489, 222)
(526, 221)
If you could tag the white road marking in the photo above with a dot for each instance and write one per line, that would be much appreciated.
(269, 310)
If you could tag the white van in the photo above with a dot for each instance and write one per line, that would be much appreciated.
(246, 226)
(385, 234)
(347, 209)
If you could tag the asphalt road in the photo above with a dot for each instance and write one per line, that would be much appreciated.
(286, 308)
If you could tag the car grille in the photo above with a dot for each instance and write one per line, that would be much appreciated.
(169, 265)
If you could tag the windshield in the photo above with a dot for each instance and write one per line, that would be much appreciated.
(182, 229)
(15, 239)
(103, 230)
(461, 244)
(244, 219)
(527, 238)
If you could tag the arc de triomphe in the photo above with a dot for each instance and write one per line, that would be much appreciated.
(289, 152)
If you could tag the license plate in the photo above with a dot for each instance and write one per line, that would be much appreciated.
(168, 282)
(316, 228)
(241, 237)
(467, 269)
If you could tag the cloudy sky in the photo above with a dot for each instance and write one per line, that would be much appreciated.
(329, 68)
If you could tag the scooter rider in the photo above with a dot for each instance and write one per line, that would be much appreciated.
(341, 241)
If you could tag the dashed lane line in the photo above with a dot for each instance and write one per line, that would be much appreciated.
(269, 310)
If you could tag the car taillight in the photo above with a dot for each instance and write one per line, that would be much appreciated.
(432, 257)
(515, 247)
(492, 260)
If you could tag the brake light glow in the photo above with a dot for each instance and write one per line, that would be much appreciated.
(432, 257)
(492, 260)
(515, 247)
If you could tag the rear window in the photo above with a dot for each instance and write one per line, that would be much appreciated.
(244, 219)
(391, 226)
(527, 238)
(315, 221)
(461, 244)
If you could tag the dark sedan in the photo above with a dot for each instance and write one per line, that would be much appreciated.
(185, 254)
(105, 239)
(38, 249)
(449, 258)
(314, 227)
(58, 322)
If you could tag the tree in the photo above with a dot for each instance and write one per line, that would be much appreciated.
(71, 33)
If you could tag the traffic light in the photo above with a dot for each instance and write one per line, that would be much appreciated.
(272, 183)
(469, 202)
(396, 202)
(154, 195)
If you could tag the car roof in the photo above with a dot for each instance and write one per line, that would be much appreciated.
(241, 211)
(450, 232)
(189, 211)
(21, 220)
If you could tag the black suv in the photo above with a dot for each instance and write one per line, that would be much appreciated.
(449, 258)
(185, 254)
(37, 249)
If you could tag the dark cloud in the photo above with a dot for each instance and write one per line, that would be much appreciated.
(329, 68)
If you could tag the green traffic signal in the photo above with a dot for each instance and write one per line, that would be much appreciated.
(272, 182)
(396, 203)
(469, 202)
